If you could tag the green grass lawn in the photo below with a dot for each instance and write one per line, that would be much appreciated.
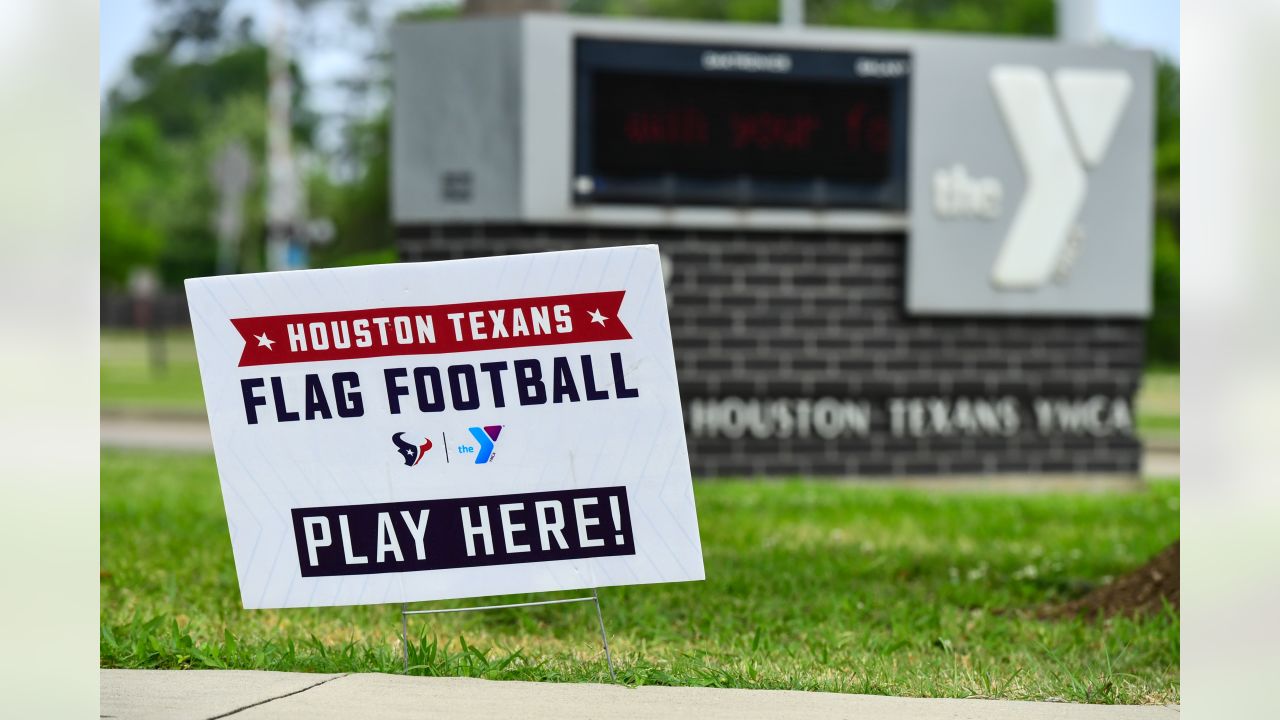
(811, 585)
(1158, 403)
(131, 384)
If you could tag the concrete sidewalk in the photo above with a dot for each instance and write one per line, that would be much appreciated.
(140, 432)
(243, 694)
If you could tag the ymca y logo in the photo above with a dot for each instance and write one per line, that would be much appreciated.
(486, 437)
(1056, 142)
(411, 453)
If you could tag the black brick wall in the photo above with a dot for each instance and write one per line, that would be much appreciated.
(777, 315)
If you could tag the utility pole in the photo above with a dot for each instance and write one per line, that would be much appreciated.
(283, 190)
(231, 175)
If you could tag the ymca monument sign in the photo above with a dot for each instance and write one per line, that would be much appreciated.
(888, 253)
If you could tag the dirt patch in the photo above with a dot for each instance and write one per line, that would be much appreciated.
(1143, 591)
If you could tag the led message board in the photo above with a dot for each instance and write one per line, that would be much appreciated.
(696, 124)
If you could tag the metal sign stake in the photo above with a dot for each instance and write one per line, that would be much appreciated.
(405, 612)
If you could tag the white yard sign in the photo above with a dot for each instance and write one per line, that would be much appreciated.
(443, 430)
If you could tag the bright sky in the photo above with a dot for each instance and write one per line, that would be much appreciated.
(1151, 24)
(125, 25)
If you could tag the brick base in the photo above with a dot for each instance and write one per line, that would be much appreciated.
(795, 356)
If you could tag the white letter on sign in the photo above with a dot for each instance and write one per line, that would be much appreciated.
(387, 541)
(470, 531)
(352, 558)
(547, 529)
(312, 541)
(509, 528)
(584, 522)
(418, 531)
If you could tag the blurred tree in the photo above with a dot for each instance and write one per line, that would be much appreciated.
(357, 199)
(1163, 329)
(195, 23)
(359, 207)
(1017, 17)
(135, 161)
(199, 83)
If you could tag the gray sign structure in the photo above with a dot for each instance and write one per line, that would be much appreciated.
(953, 283)
(1031, 177)
(1030, 173)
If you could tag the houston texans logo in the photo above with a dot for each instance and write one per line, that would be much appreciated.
(412, 454)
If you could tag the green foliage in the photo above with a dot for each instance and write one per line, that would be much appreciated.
(158, 193)
(180, 96)
(1163, 328)
(1019, 17)
(1164, 325)
(742, 11)
(190, 93)
(134, 161)
(1022, 17)
(130, 384)
(1158, 405)
(810, 585)
(381, 256)
(360, 208)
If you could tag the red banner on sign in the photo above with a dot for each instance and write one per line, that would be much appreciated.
(432, 329)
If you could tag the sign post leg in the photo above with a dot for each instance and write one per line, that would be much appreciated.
(405, 612)
(604, 638)
(404, 635)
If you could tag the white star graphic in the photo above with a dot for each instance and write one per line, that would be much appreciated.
(596, 317)
(264, 341)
